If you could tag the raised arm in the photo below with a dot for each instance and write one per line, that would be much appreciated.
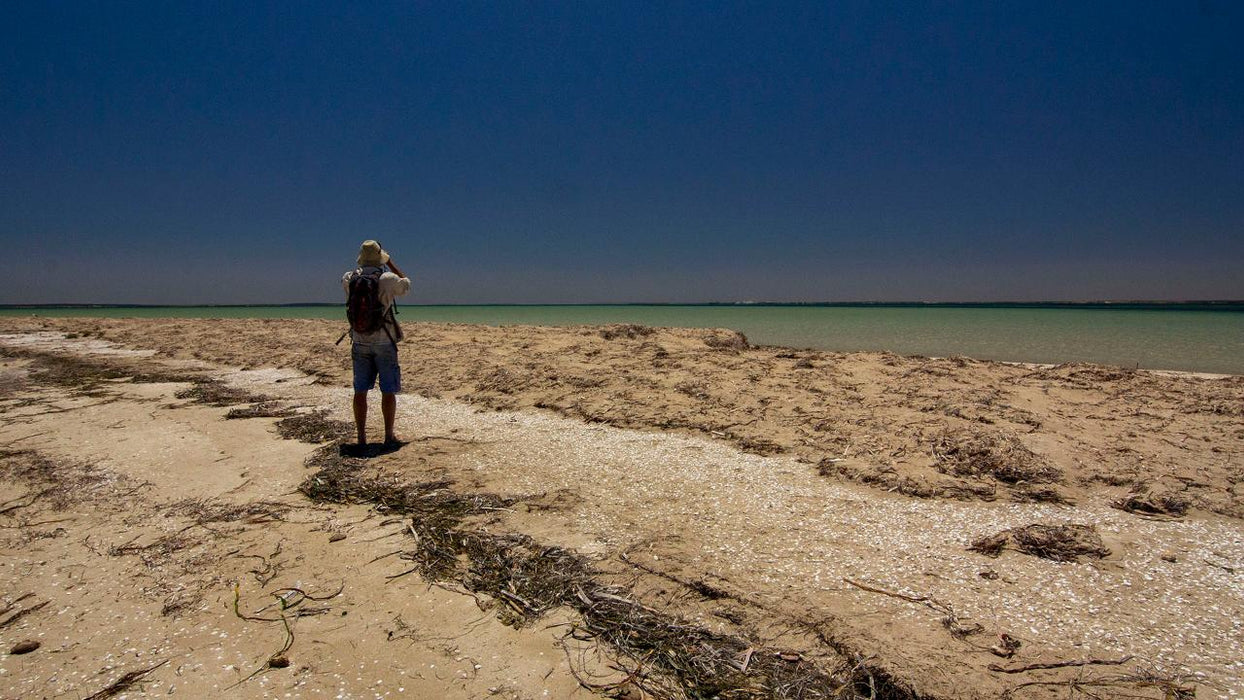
(397, 287)
(396, 270)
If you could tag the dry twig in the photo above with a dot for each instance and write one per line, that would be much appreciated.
(124, 683)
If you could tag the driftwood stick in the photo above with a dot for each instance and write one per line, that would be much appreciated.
(892, 594)
(1061, 664)
(1224, 567)
(308, 596)
(394, 577)
(10, 506)
(13, 604)
(20, 614)
(123, 683)
(523, 605)
(384, 556)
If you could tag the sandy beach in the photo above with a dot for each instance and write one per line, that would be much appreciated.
(619, 511)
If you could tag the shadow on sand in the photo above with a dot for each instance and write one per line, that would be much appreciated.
(371, 449)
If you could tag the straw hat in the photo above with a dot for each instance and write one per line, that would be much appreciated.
(370, 255)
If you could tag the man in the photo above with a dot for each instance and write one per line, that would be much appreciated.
(375, 352)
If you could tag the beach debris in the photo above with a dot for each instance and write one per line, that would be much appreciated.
(263, 409)
(212, 510)
(58, 483)
(760, 446)
(86, 376)
(1066, 543)
(1039, 494)
(11, 619)
(1166, 685)
(212, 392)
(1060, 664)
(9, 606)
(1165, 504)
(124, 683)
(503, 381)
(314, 427)
(991, 545)
(287, 599)
(662, 655)
(887, 478)
(700, 586)
(950, 620)
(1084, 375)
(630, 331)
(696, 390)
(1225, 567)
(156, 553)
(183, 554)
(994, 454)
(723, 339)
(25, 647)
(1006, 646)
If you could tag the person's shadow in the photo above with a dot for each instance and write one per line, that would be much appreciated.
(370, 450)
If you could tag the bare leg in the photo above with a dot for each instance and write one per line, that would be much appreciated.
(388, 406)
(360, 415)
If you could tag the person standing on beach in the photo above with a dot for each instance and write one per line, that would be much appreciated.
(375, 353)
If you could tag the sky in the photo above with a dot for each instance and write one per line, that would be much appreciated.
(597, 152)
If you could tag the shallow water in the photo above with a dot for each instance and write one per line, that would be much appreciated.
(1155, 337)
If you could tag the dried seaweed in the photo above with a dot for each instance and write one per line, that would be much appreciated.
(216, 393)
(1141, 682)
(1160, 504)
(124, 683)
(727, 340)
(1083, 374)
(85, 374)
(630, 331)
(154, 554)
(22, 613)
(760, 446)
(209, 510)
(996, 455)
(263, 409)
(503, 381)
(57, 483)
(662, 655)
(313, 428)
(1066, 543)
(890, 480)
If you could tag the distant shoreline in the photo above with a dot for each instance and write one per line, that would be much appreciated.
(1186, 337)
(1196, 305)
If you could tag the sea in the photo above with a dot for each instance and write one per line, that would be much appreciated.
(1194, 337)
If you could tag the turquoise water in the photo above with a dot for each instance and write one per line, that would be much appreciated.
(1155, 338)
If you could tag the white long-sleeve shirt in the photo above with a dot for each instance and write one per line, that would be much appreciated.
(391, 287)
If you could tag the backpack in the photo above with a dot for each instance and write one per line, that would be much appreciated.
(364, 309)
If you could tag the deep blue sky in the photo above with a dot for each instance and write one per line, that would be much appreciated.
(591, 152)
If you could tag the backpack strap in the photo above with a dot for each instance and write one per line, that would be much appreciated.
(349, 291)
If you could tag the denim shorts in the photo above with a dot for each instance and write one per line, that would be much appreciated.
(376, 359)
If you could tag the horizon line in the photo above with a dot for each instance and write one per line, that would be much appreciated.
(1086, 302)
